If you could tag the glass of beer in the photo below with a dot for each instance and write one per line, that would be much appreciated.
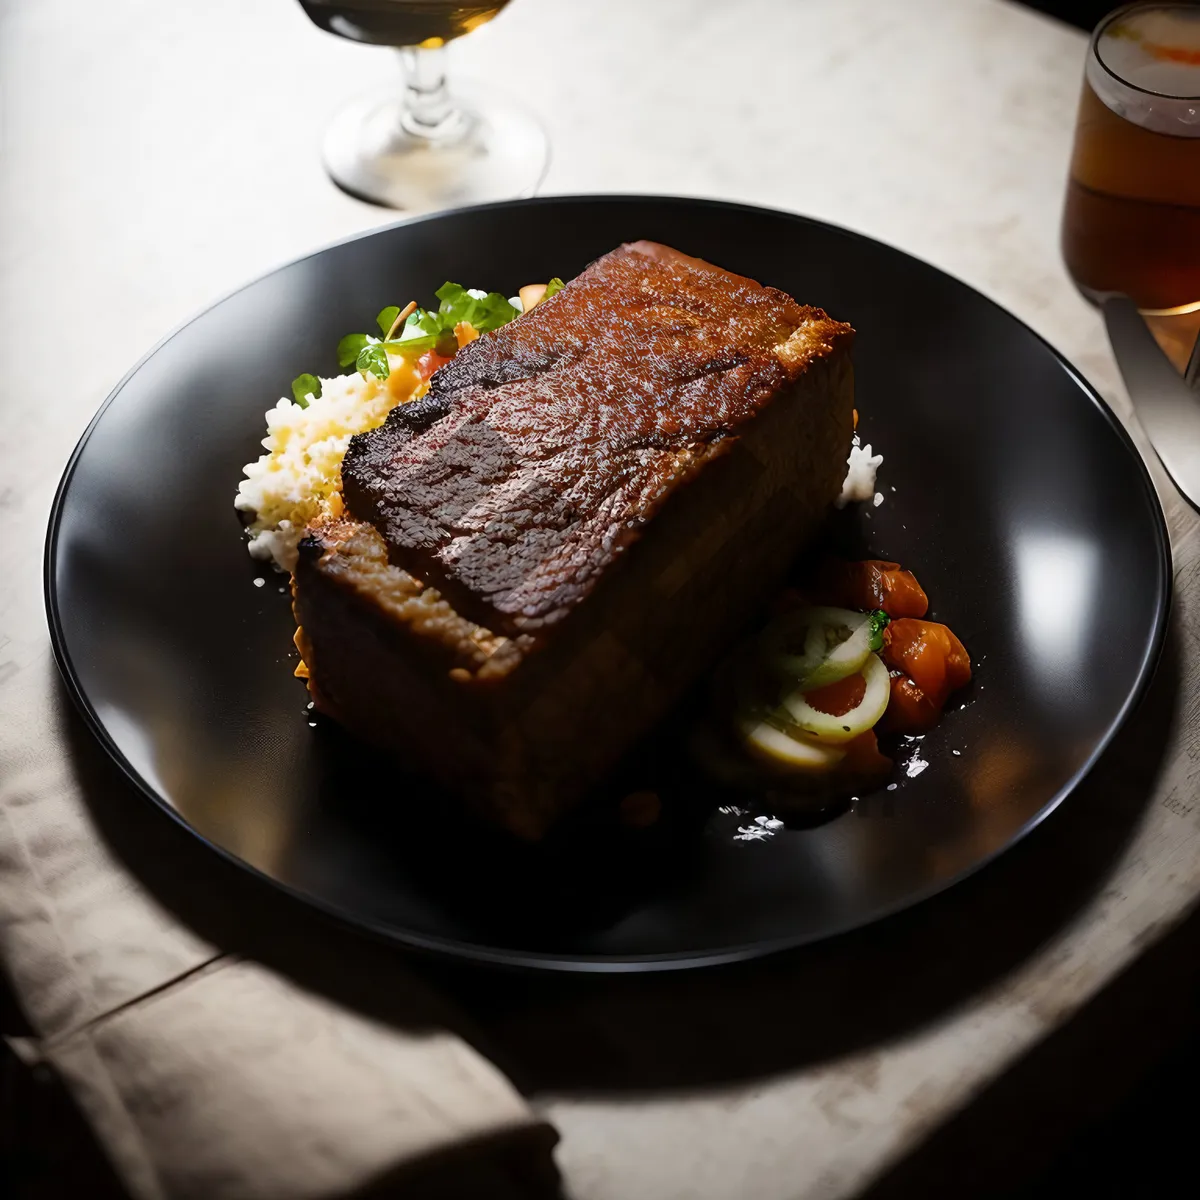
(1131, 225)
(421, 146)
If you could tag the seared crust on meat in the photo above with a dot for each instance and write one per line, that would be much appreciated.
(544, 450)
(351, 553)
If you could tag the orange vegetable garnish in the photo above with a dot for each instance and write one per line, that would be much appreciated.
(465, 332)
(909, 710)
(429, 362)
(929, 654)
(402, 316)
(300, 642)
(863, 759)
(871, 584)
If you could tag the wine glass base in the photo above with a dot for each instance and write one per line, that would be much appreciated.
(494, 150)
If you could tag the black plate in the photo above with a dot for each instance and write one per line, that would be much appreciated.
(1010, 489)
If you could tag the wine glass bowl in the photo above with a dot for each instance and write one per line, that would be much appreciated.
(423, 146)
(400, 22)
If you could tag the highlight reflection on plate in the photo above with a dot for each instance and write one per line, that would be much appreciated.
(1018, 501)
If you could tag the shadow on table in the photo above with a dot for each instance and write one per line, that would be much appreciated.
(596, 1033)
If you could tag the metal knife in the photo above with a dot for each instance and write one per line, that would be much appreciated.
(1167, 407)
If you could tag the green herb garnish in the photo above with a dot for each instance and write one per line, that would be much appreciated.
(878, 621)
(387, 318)
(555, 285)
(373, 358)
(424, 330)
(305, 388)
(350, 347)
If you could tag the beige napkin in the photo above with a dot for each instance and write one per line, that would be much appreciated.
(204, 1074)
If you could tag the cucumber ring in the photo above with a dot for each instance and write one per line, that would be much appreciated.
(796, 753)
(834, 730)
(837, 643)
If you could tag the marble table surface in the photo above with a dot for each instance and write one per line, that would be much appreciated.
(157, 155)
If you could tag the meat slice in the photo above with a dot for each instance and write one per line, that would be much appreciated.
(543, 451)
(546, 551)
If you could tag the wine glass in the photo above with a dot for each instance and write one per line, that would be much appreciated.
(422, 147)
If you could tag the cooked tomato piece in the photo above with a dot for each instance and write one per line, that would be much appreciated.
(929, 654)
(429, 362)
(837, 699)
(909, 710)
(872, 583)
(863, 758)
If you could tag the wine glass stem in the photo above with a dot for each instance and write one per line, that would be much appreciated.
(428, 110)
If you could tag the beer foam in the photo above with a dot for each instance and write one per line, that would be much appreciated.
(1146, 68)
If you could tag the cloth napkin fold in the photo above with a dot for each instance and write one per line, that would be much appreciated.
(206, 1075)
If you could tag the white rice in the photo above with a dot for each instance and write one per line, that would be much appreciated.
(861, 468)
(299, 477)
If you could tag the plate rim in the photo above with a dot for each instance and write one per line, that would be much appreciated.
(492, 956)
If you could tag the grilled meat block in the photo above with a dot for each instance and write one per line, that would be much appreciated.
(548, 548)
(543, 451)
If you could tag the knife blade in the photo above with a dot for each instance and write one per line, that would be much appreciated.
(1168, 409)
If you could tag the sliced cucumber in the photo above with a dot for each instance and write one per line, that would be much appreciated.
(801, 651)
(798, 753)
(834, 730)
(811, 647)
